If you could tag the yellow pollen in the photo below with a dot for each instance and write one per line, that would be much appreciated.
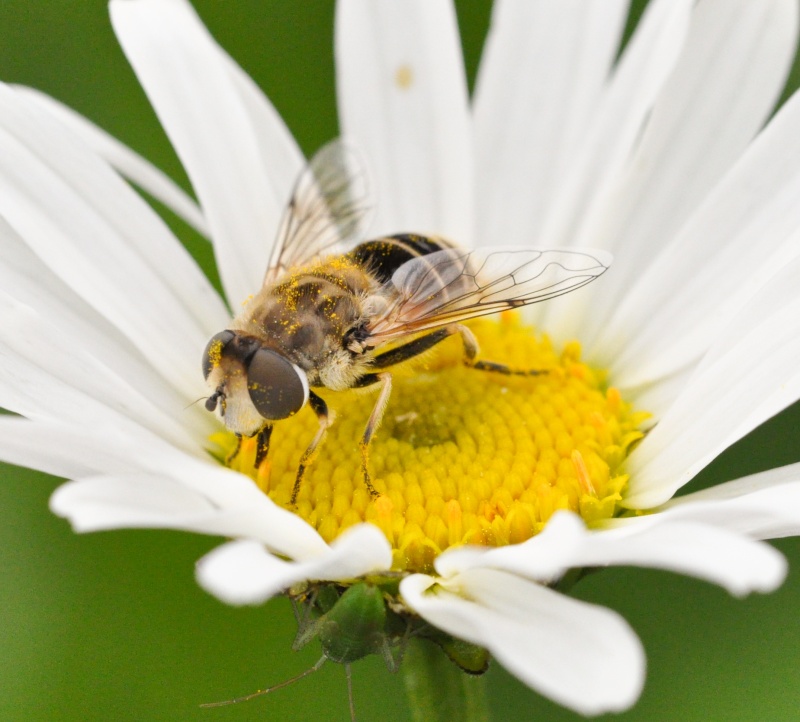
(462, 456)
(215, 354)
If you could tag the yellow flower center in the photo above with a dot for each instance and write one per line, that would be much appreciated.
(462, 456)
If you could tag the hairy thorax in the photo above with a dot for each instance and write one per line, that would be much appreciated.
(307, 316)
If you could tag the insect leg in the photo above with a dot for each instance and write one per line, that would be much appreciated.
(274, 687)
(422, 344)
(262, 444)
(471, 349)
(325, 420)
(411, 349)
(374, 421)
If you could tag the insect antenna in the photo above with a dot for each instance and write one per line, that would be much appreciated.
(274, 687)
(196, 401)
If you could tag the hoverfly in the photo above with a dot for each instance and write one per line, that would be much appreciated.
(331, 301)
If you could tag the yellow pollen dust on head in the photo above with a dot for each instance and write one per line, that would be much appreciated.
(463, 456)
(215, 354)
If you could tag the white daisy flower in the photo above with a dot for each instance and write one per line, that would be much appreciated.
(666, 157)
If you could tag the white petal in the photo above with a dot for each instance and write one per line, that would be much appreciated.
(26, 279)
(128, 463)
(728, 78)
(98, 503)
(243, 572)
(619, 118)
(657, 541)
(46, 374)
(130, 164)
(751, 373)
(403, 100)
(117, 462)
(220, 127)
(716, 555)
(107, 443)
(542, 70)
(102, 239)
(585, 657)
(763, 506)
(231, 493)
(72, 450)
(158, 500)
(543, 558)
(743, 234)
(742, 487)
(647, 61)
(22, 443)
(735, 562)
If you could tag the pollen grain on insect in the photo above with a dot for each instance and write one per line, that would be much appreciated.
(215, 354)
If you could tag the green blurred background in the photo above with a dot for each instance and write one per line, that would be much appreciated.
(113, 627)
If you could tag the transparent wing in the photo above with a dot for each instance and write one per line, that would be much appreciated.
(456, 284)
(327, 211)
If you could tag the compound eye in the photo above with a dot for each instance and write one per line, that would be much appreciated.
(278, 388)
(213, 353)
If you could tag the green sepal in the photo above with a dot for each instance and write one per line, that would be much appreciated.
(326, 599)
(351, 624)
(354, 626)
(572, 577)
(470, 658)
(356, 621)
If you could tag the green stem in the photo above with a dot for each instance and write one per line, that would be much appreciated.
(438, 691)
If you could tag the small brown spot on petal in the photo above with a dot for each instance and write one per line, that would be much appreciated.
(404, 77)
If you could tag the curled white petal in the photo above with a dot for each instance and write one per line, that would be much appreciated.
(119, 470)
(583, 656)
(543, 558)
(763, 506)
(161, 501)
(733, 561)
(687, 546)
(243, 572)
